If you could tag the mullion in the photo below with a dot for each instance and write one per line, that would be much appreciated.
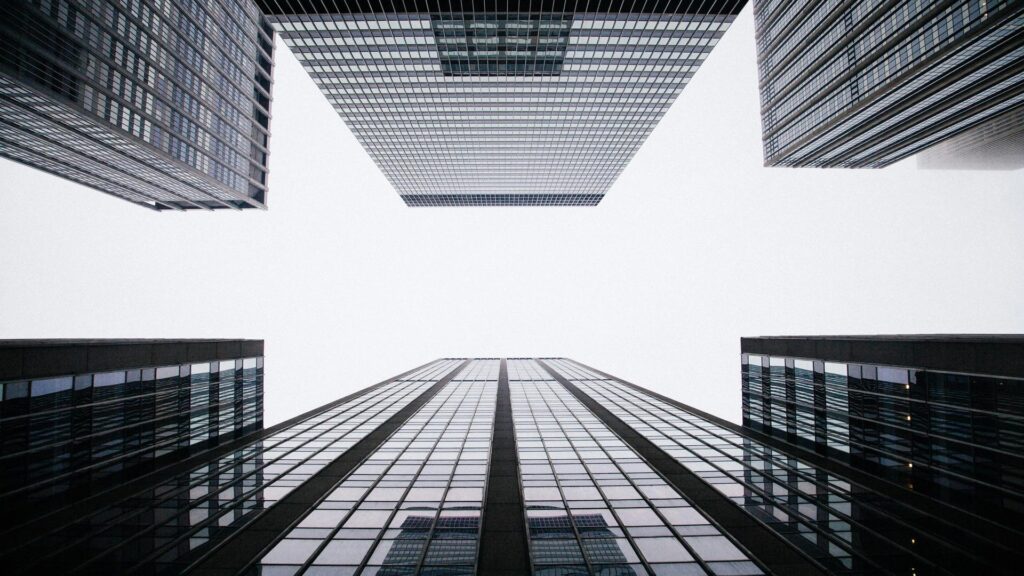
(811, 523)
(362, 499)
(451, 478)
(383, 530)
(163, 394)
(534, 385)
(632, 483)
(582, 377)
(401, 430)
(673, 529)
(411, 483)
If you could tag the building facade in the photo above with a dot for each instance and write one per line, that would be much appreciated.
(508, 467)
(865, 84)
(534, 103)
(163, 104)
(996, 144)
(941, 415)
(76, 415)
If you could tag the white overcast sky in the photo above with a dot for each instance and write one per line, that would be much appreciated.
(696, 245)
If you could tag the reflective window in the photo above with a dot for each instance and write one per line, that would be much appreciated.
(188, 510)
(847, 527)
(593, 506)
(850, 107)
(62, 434)
(957, 437)
(414, 505)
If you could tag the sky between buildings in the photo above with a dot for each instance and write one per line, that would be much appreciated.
(696, 245)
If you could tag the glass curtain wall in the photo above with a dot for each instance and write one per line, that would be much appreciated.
(414, 505)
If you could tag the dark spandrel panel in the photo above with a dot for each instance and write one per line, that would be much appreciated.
(290, 7)
(847, 526)
(162, 527)
(426, 200)
(578, 570)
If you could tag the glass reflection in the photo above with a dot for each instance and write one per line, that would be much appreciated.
(162, 528)
(593, 506)
(958, 438)
(845, 526)
(414, 506)
(65, 437)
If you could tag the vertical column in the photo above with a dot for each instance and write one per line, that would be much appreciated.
(503, 549)
(233, 555)
(820, 412)
(791, 400)
(775, 553)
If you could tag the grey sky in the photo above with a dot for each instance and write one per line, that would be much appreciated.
(695, 246)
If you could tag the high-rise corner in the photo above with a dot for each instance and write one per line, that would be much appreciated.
(163, 104)
(83, 417)
(865, 84)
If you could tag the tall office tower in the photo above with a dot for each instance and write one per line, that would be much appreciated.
(508, 467)
(865, 84)
(936, 416)
(163, 104)
(531, 103)
(76, 415)
(996, 144)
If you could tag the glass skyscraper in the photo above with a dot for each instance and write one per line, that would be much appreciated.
(865, 84)
(165, 104)
(533, 103)
(76, 415)
(512, 466)
(941, 415)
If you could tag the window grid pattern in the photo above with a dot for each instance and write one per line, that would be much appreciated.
(486, 44)
(79, 430)
(172, 98)
(868, 83)
(996, 144)
(593, 505)
(414, 505)
(161, 525)
(956, 437)
(557, 118)
(844, 526)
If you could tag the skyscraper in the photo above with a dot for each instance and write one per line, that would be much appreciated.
(509, 467)
(996, 144)
(865, 84)
(80, 415)
(163, 104)
(533, 103)
(938, 414)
